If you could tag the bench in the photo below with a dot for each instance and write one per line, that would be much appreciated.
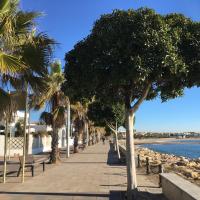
(31, 162)
(175, 187)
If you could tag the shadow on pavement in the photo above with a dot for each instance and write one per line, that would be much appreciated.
(141, 195)
(57, 194)
(112, 157)
(114, 195)
(117, 195)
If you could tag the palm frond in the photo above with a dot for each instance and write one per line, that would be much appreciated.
(10, 102)
(4, 7)
(25, 21)
(5, 100)
(46, 117)
(10, 64)
(38, 53)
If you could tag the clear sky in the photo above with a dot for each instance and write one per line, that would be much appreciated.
(69, 21)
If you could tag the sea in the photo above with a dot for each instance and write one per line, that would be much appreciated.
(187, 148)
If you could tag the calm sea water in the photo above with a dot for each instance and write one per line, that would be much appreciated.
(186, 148)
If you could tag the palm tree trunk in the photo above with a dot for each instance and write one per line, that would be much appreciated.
(27, 138)
(5, 151)
(25, 123)
(76, 143)
(68, 131)
(54, 156)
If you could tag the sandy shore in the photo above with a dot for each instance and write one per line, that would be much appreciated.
(164, 140)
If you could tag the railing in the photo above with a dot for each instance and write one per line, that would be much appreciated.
(150, 166)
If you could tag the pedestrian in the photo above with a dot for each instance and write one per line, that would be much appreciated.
(103, 140)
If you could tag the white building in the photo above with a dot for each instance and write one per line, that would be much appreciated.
(37, 143)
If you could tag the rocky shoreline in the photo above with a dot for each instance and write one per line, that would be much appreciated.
(187, 168)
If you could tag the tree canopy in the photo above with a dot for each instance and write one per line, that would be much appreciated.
(101, 114)
(131, 56)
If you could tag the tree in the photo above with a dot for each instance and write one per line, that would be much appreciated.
(9, 61)
(79, 118)
(108, 116)
(129, 57)
(189, 45)
(24, 55)
(58, 103)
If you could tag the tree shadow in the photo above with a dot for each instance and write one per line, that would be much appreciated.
(117, 195)
(113, 158)
(113, 195)
(143, 195)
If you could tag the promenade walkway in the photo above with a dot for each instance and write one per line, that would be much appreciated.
(91, 174)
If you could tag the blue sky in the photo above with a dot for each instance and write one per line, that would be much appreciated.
(68, 21)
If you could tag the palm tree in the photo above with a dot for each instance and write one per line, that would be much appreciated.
(14, 102)
(58, 103)
(11, 35)
(24, 55)
(79, 118)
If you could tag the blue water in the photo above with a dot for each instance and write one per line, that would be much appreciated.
(186, 148)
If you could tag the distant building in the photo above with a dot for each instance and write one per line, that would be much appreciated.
(121, 132)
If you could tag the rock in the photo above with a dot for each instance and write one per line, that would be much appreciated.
(180, 163)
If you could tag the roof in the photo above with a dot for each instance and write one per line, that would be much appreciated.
(121, 129)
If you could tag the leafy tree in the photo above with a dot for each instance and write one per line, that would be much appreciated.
(101, 114)
(189, 45)
(108, 116)
(129, 57)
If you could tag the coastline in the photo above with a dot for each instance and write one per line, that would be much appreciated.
(162, 140)
(187, 168)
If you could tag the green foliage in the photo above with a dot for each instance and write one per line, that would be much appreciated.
(189, 45)
(129, 56)
(24, 55)
(52, 95)
(100, 113)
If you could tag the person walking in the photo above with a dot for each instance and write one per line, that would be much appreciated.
(103, 139)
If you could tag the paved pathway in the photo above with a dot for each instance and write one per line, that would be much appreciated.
(92, 174)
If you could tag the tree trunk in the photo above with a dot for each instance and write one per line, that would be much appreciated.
(5, 151)
(54, 156)
(130, 156)
(25, 124)
(87, 134)
(68, 131)
(117, 143)
(29, 132)
(76, 143)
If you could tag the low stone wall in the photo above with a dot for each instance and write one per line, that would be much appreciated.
(175, 187)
